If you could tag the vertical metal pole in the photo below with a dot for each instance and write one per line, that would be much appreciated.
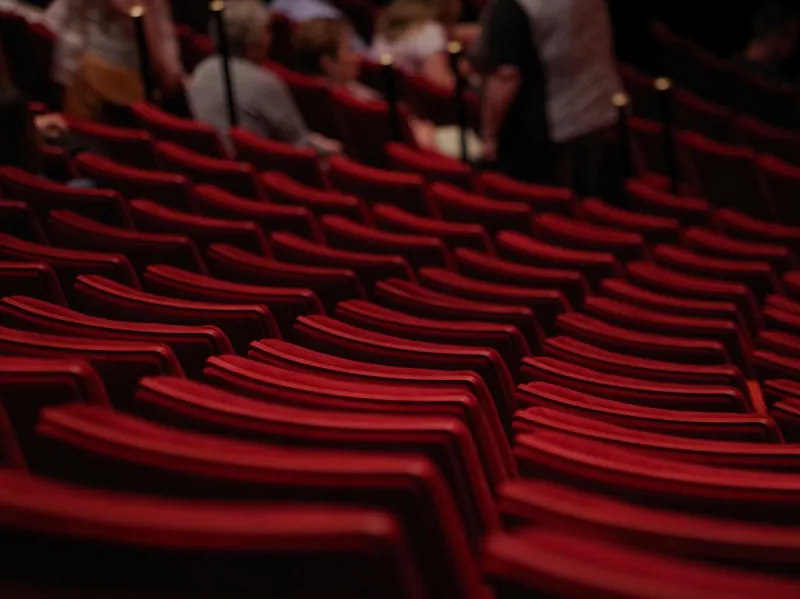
(390, 83)
(663, 86)
(137, 15)
(217, 8)
(622, 102)
(455, 51)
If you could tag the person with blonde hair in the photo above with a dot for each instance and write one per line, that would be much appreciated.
(416, 33)
(97, 56)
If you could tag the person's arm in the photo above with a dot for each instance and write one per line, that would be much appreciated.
(504, 43)
(430, 44)
(162, 43)
(278, 112)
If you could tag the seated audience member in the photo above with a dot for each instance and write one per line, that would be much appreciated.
(775, 34)
(322, 48)
(300, 11)
(263, 103)
(22, 135)
(415, 34)
(97, 56)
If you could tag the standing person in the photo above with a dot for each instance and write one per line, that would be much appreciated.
(551, 76)
(102, 73)
(263, 103)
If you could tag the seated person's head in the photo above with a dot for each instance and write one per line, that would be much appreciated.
(247, 25)
(322, 47)
(776, 29)
(19, 144)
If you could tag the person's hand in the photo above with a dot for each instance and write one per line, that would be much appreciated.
(51, 126)
(325, 145)
(489, 150)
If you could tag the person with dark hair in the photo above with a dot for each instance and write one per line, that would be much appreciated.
(776, 28)
(22, 135)
(322, 48)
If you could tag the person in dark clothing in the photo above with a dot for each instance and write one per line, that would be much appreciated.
(514, 115)
(776, 28)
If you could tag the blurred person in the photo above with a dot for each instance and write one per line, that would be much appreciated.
(300, 11)
(550, 77)
(321, 48)
(415, 33)
(775, 32)
(97, 55)
(23, 135)
(263, 103)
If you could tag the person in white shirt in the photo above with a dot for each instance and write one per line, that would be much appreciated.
(415, 34)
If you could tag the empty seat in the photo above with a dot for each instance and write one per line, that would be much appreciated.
(781, 182)
(132, 147)
(215, 202)
(736, 341)
(415, 299)
(282, 190)
(686, 210)
(375, 185)
(236, 177)
(506, 339)
(461, 206)
(120, 363)
(649, 345)
(326, 334)
(577, 352)
(192, 345)
(189, 133)
(624, 473)
(569, 233)
(68, 264)
(168, 189)
(768, 139)
(203, 230)
(546, 304)
(771, 365)
(17, 219)
(71, 230)
(483, 266)
(653, 228)
(393, 218)
(757, 275)
(670, 396)
(542, 562)
(527, 250)
(419, 250)
(540, 198)
(773, 457)
(301, 164)
(684, 423)
(42, 196)
(242, 323)
(370, 267)
(285, 303)
(756, 546)
(786, 414)
(675, 283)
(33, 279)
(711, 243)
(780, 342)
(330, 284)
(145, 546)
(433, 167)
(741, 226)
(184, 464)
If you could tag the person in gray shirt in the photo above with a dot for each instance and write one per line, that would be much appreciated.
(263, 103)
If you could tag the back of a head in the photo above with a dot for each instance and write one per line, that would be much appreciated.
(246, 24)
(17, 140)
(315, 39)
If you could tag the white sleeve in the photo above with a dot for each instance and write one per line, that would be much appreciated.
(431, 38)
